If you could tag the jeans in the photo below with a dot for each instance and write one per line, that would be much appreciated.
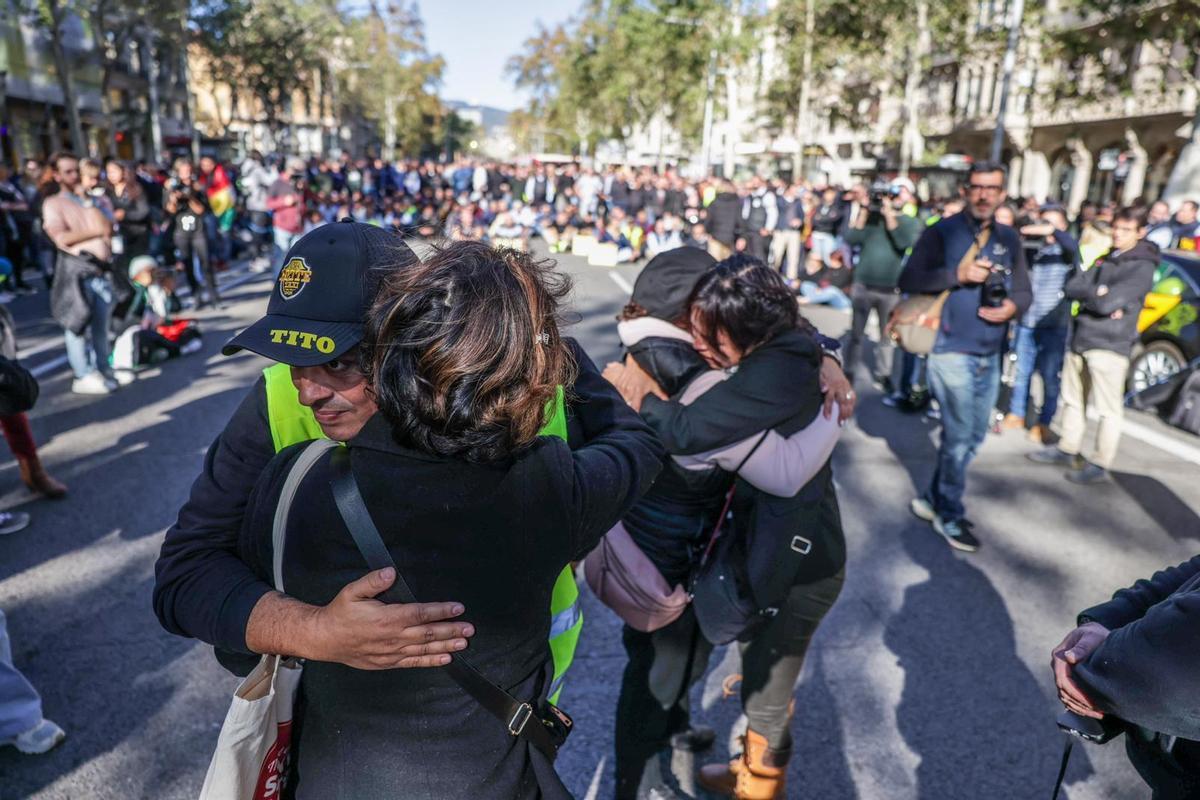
(825, 244)
(825, 295)
(20, 704)
(862, 300)
(283, 242)
(1040, 349)
(87, 352)
(965, 387)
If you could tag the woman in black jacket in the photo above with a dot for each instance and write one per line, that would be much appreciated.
(463, 353)
(672, 522)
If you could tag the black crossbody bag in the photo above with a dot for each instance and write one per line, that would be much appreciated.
(539, 722)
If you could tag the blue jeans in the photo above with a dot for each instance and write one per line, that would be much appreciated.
(87, 352)
(965, 387)
(1040, 349)
(825, 295)
(283, 242)
(20, 704)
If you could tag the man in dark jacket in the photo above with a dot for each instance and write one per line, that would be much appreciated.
(1110, 295)
(724, 215)
(1134, 658)
(961, 255)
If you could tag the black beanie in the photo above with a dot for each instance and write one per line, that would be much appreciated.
(667, 281)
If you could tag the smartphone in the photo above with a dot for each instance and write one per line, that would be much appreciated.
(1097, 731)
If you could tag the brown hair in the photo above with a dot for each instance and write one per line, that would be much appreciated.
(464, 353)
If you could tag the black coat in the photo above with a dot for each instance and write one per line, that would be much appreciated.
(492, 536)
(1128, 277)
(776, 386)
(204, 590)
(1145, 671)
(68, 304)
(724, 217)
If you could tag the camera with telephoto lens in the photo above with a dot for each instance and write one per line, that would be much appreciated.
(881, 191)
(994, 291)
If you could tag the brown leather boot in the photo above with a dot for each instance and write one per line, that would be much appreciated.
(38, 480)
(759, 773)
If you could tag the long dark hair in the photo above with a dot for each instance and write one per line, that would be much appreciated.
(463, 351)
(747, 300)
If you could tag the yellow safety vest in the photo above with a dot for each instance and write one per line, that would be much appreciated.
(292, 422)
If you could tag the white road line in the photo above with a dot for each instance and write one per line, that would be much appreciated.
(53, 344)
(48, 366)
(1148, 435)
(619, 280)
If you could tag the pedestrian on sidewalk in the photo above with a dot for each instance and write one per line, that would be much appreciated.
(1110, 297)
(962, 255)
(82, 296)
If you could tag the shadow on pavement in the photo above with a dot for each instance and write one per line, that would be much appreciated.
(1162, 505)
(968, 730)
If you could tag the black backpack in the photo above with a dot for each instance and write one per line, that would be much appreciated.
(18, 388)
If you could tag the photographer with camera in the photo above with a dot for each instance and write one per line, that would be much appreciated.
(883, 234)
(1131, 665)
(285, 200)
(977, 268)
(187, 205)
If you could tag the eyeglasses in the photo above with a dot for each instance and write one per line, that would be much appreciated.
(976, 187)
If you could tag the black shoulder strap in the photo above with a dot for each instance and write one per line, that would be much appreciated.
(518, 716)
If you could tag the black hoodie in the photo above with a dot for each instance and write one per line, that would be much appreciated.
(1116, 282)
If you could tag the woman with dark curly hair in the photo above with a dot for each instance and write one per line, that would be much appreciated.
(464, 356)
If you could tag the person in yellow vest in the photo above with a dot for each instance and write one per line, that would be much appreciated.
(313, 326)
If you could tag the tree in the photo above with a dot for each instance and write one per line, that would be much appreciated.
(1103, 53)
(52, 16)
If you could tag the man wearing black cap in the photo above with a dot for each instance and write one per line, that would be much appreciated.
(313, 324)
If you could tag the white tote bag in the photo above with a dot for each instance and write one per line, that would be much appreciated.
(251, 759)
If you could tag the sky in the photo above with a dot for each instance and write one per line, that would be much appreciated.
(476, 37)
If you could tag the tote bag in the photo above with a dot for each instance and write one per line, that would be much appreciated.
(251, 759)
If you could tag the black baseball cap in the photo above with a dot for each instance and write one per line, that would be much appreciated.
(664, 285)
(321, 297)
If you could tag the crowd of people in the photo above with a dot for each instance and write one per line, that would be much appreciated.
(469, 417)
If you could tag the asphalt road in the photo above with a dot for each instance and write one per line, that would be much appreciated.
(929, 679)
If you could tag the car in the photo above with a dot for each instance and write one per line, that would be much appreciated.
(1169, 323)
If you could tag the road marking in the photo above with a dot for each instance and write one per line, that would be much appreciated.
(619, 280)
(49, 366)
(1154, 438)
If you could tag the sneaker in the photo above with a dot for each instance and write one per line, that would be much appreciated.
(92, 383)
(1041, 434)
(933, 412)
(13, 521)
(898, 402)
(124, 377)
(922, 509)
(1012, 422)
(957, 533)
(41, 738)
(1055, 457)
(1088, 474)
(695, 739)
(191, 347)
(884, 385)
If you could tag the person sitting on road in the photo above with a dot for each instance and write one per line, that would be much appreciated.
(827, 281)
(463, 354)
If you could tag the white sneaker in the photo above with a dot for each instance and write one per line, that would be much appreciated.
(13, 521)
(191, 347)
(41, 738)
(92, 383)
(124, 377)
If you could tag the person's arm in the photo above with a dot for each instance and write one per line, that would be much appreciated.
(616, 465)
(907, 231)
(1145, 672)
(771, 385)
(1131, 604)
(856, 234)
(1022, 290)
(781, 466)
(54, 225)
(139, 210)
(277, 200)
(1126, 291)
(925, 271)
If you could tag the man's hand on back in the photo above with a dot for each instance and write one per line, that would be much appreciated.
(359, 631)
(1076, 647)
